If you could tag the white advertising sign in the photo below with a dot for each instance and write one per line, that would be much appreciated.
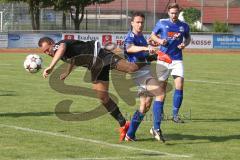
(198, 41)
(82, 36)
(103, 38)
(201, 41)
(28, 40)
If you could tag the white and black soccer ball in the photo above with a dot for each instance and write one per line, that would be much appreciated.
(33, 63)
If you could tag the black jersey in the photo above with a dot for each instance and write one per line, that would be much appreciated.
(83, 55)
(75, 48)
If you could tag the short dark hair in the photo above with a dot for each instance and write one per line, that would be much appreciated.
(174, 5)
(136, 14)
(45, 39)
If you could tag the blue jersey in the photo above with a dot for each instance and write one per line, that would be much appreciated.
(137, 40)
(174, 34)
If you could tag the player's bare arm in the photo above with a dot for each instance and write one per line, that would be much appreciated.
(68, 70)
(158, 40)
(135, 49)
(57, 56)
(185, 43)
(152, 42)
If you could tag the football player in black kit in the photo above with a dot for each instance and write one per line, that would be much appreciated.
(98, 60)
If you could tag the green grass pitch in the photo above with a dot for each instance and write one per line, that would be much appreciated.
(30, 129)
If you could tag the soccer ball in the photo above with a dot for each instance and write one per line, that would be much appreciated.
(33, 63)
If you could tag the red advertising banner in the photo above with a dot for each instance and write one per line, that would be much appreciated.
(106, 39)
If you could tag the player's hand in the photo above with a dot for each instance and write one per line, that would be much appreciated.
(151, 49)
(152, 42)
(162, 42)
(64, 75)
(181, 46)
(47, 71)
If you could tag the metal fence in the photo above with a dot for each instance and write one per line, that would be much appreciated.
(108, 17)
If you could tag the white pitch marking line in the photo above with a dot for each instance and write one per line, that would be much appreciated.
(103, 158)
(94, 141)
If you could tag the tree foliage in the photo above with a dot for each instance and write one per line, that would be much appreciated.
(221, 27)
(191, 15)
(75, 7)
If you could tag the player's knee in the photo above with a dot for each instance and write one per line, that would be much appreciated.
(148, 104)
(103, 98)
(147, 108)
(161, 97)
(132, 68)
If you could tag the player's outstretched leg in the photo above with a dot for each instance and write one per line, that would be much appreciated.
(145, 104)
(101, 88)
(128, 67)
(113, 109)
(135, 122)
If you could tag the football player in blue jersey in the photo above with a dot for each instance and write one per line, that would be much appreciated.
(173, 36)
(136, 49)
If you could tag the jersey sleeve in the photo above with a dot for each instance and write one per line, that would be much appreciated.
(66, 43)
(158, 28)
(128, 41)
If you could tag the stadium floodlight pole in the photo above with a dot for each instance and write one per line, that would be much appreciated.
(70, 20)
(126, 14)
(154, 12)
(227, 11)
(146, 14)
(202, 4)
(86, 20)
(12, 16)
(1, 16)
(121, 17)
(99, 16)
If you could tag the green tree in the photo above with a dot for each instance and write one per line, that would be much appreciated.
(191, 15)
(221, 27)
(34, 9)
(58, 6)
(77, 8)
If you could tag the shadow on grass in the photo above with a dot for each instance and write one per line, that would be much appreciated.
(215, 120)
(38, 114)
(7, 93)
(28, 114)
(146, 139)
(152, 154)
(171, 137)
(184, 138)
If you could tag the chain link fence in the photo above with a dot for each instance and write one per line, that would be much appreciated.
(116, 15)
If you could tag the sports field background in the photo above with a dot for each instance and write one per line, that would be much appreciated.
(29, 128)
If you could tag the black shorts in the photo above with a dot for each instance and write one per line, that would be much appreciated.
(105, 61)
(109, 58)
(103, 75)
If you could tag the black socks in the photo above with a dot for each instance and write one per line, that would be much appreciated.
(113, 109)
